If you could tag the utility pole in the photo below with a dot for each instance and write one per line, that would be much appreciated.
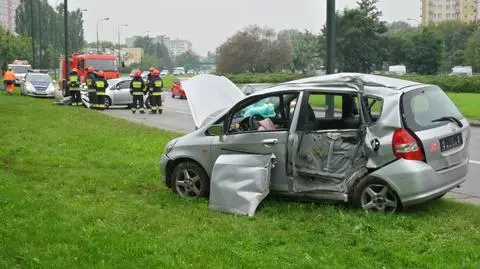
(65, 22)
(33, 34)
(330, 102)
(40, 56)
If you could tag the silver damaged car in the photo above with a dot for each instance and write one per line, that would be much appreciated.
(383, 144)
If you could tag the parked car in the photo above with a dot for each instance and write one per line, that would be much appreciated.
(118, 93)
(248, 89)
(38, 85)
(390, 143)
(164, 73)
(177, 90)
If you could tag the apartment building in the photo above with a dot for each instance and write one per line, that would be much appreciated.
(434, 11)
(175, 47)
(7, 14)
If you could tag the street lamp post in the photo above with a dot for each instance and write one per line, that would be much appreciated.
(119, 49)
(330, 52)
(98, 22)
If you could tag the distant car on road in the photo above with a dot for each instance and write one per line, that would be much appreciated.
(248, 89)
(164, 73)
(177, 90)
(118, 93)
(38, 85)
(191, 72)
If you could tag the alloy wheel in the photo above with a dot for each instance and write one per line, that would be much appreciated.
(379, 197)
(188, 183)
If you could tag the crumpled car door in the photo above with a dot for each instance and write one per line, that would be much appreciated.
(240, 182)
(326, 161)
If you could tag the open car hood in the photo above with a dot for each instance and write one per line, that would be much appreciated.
(208, 93)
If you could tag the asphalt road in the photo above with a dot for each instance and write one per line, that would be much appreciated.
(176, 117)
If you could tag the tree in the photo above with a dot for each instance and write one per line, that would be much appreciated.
(472, 52)
(359, 41)
(454, 36)
(250, 49)
(425, 56)
(189, 60)
(12, 48)
(306, 47)
(48, 30)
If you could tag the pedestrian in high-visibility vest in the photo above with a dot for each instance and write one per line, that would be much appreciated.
(73, 80)
(9, 81)
(101, 85)
(137, 90)
(92, 92)
(155, 88)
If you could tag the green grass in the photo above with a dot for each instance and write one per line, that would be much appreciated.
(468, 103)
(81, 190)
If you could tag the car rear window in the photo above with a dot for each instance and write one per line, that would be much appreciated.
(423, 106)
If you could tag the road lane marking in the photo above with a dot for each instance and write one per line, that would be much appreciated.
(474, 162)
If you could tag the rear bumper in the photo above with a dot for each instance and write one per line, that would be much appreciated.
(416, 182)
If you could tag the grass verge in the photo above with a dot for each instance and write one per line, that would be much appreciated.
(81, 190)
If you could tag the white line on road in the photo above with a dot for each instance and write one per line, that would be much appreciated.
(474, 162)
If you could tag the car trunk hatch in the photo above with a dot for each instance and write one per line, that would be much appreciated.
(441, 129)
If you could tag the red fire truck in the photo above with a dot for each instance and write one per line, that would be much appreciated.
(108, 63)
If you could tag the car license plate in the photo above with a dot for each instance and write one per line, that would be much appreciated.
(451, 142)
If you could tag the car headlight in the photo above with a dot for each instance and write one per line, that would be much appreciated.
(170, 145)
(29, 87)
(50, 88)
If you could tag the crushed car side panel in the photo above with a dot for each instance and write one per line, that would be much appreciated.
(326, 160)
(240, 182)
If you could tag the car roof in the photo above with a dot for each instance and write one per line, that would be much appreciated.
(347, 82)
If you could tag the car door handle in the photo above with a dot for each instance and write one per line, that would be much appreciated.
(272, 141)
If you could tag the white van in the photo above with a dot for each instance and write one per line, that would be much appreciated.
(397, 70)
(462, 71)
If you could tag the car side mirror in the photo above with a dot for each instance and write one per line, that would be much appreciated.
(117, 87)
(216, 130)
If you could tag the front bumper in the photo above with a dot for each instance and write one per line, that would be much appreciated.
(164, 160)
(416, 182)
(41, 95)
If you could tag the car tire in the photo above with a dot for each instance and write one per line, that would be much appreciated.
(189, 180)
(173, 95)
(373, 194)
(108, 102)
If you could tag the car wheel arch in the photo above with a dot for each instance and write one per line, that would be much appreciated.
(172, 164)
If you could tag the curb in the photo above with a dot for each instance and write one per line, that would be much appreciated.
(474, 123)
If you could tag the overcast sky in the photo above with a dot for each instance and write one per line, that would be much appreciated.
(207, 23)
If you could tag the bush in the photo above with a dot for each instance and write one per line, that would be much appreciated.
(449, 83)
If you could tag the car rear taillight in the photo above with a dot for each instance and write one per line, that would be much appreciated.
(405, 146)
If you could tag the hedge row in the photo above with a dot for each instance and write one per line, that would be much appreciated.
(447, 83)
(450, 83)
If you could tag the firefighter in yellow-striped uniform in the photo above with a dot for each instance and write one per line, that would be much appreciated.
(137, 90)
(155, 88)
(100, 85)
(73, 80)
(90, 79)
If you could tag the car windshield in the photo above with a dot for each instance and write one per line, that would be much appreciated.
(38, 77)
(19, 69)
(103, 64)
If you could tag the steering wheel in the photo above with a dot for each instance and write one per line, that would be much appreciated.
(253, 122)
